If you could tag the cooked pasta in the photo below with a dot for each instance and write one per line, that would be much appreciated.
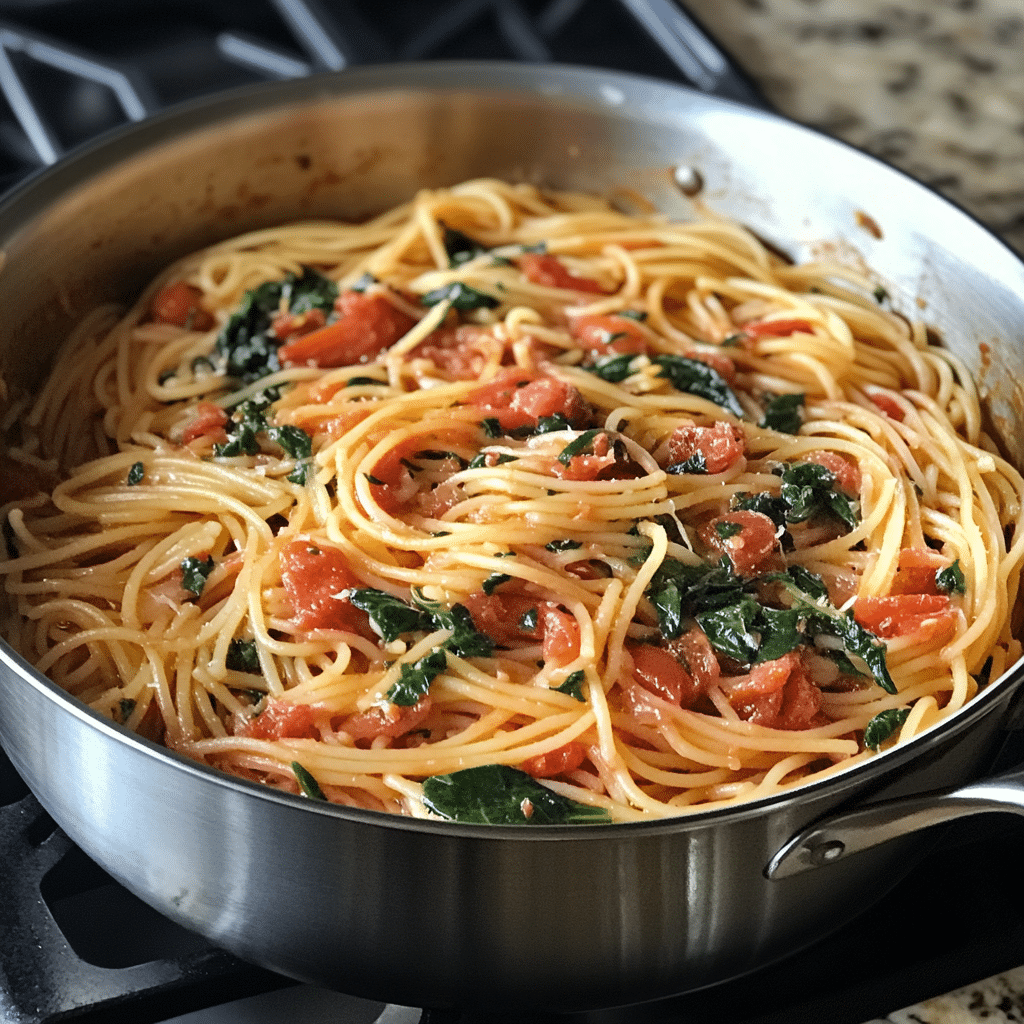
(509, 506)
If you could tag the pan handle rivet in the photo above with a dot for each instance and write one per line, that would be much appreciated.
(688, 180)
(827, 852)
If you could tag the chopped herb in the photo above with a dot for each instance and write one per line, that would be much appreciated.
(613, 369)
(373, 480)
(462, 297)
(494, 581)
(309, 786)
(135, 474)
(125, 707)
(880, 294)
(552, 424)
(633, 314)
(365, 382)
(194, 572)
(389, 616)
(984, 677)
(497, 794)
(460, 247)
(528, 622)
(727, 529)
(578, 446)
(951, 579)
(884, 725)
(697, 378)
(243, 656)
(809, 490)
(562, 545)
(696, 464)
(782, 413)
(573, 684)
(414, 679)
(247, 341)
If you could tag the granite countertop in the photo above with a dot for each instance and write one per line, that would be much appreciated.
(935, 87)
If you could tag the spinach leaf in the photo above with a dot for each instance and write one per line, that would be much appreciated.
(697, 378)
(809, 490)
(528, 622)
(249, 420)
(460, 247)
(463, 297)
(247, 341)
(389, 616)
(884, 725)
(194, 572)
(496, 794)
(613, 369)
(696, 464)
(466, 640)
(550, 424)
(771, 505)
(136, 474)
(479, 461)
(562, 545)
(125, 707)
(678, 591)
(243, 656)
(733, 629)
(638, 315)
(578, 446)
(414, 679)
(573, 684)
(491, 426)
(782, 413)
(494, 581)
(309, 786)
(296, 443)
(951, 579)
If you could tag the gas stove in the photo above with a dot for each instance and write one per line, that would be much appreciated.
(74, 945)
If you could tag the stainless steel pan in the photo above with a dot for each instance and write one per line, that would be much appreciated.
(435, 913)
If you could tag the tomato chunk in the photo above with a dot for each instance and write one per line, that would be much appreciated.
(179, 303)
(560, 761)
(390, 720)
(748, 538)
(609, 335)
(510, 618)
(561, 632)
(658, 671)
(778, 694)
(459, 351)
(777, 328)
(517, 399)
(315, 579)
(846, 471)
(888, 405)
(721, 445)
(281, 719)
(929, 617)
(209, 421)
(550, 271)
(366, 325)
(294, 325)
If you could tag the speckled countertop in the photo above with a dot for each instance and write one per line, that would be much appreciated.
(935, 87)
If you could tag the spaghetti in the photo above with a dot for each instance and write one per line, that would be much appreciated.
(503, 486)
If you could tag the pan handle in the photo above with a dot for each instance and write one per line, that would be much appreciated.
(836, 836)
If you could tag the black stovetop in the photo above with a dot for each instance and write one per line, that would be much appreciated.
(75, 946)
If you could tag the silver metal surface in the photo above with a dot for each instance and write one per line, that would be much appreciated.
(428, 913)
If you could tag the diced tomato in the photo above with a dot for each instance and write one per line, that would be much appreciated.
(501, 616)
(888, 405)
(929, 617)
(609, 335)
(366, 325)
(392, 484)
(560, 761)
(550, 271)
(388, 720)
(748, 538)
(209, 421)
(657, 670)
(295, 325)
(777, 328)
(722, 445)
(718, 361)
(313, 578)
(281, 719)
(561, 634)
(694, 652)
(589, 569)
(778, 694)
(517, 399)
(460, 351)
(180, 304)
(846, 471)
(916, 571)
(593, 465)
